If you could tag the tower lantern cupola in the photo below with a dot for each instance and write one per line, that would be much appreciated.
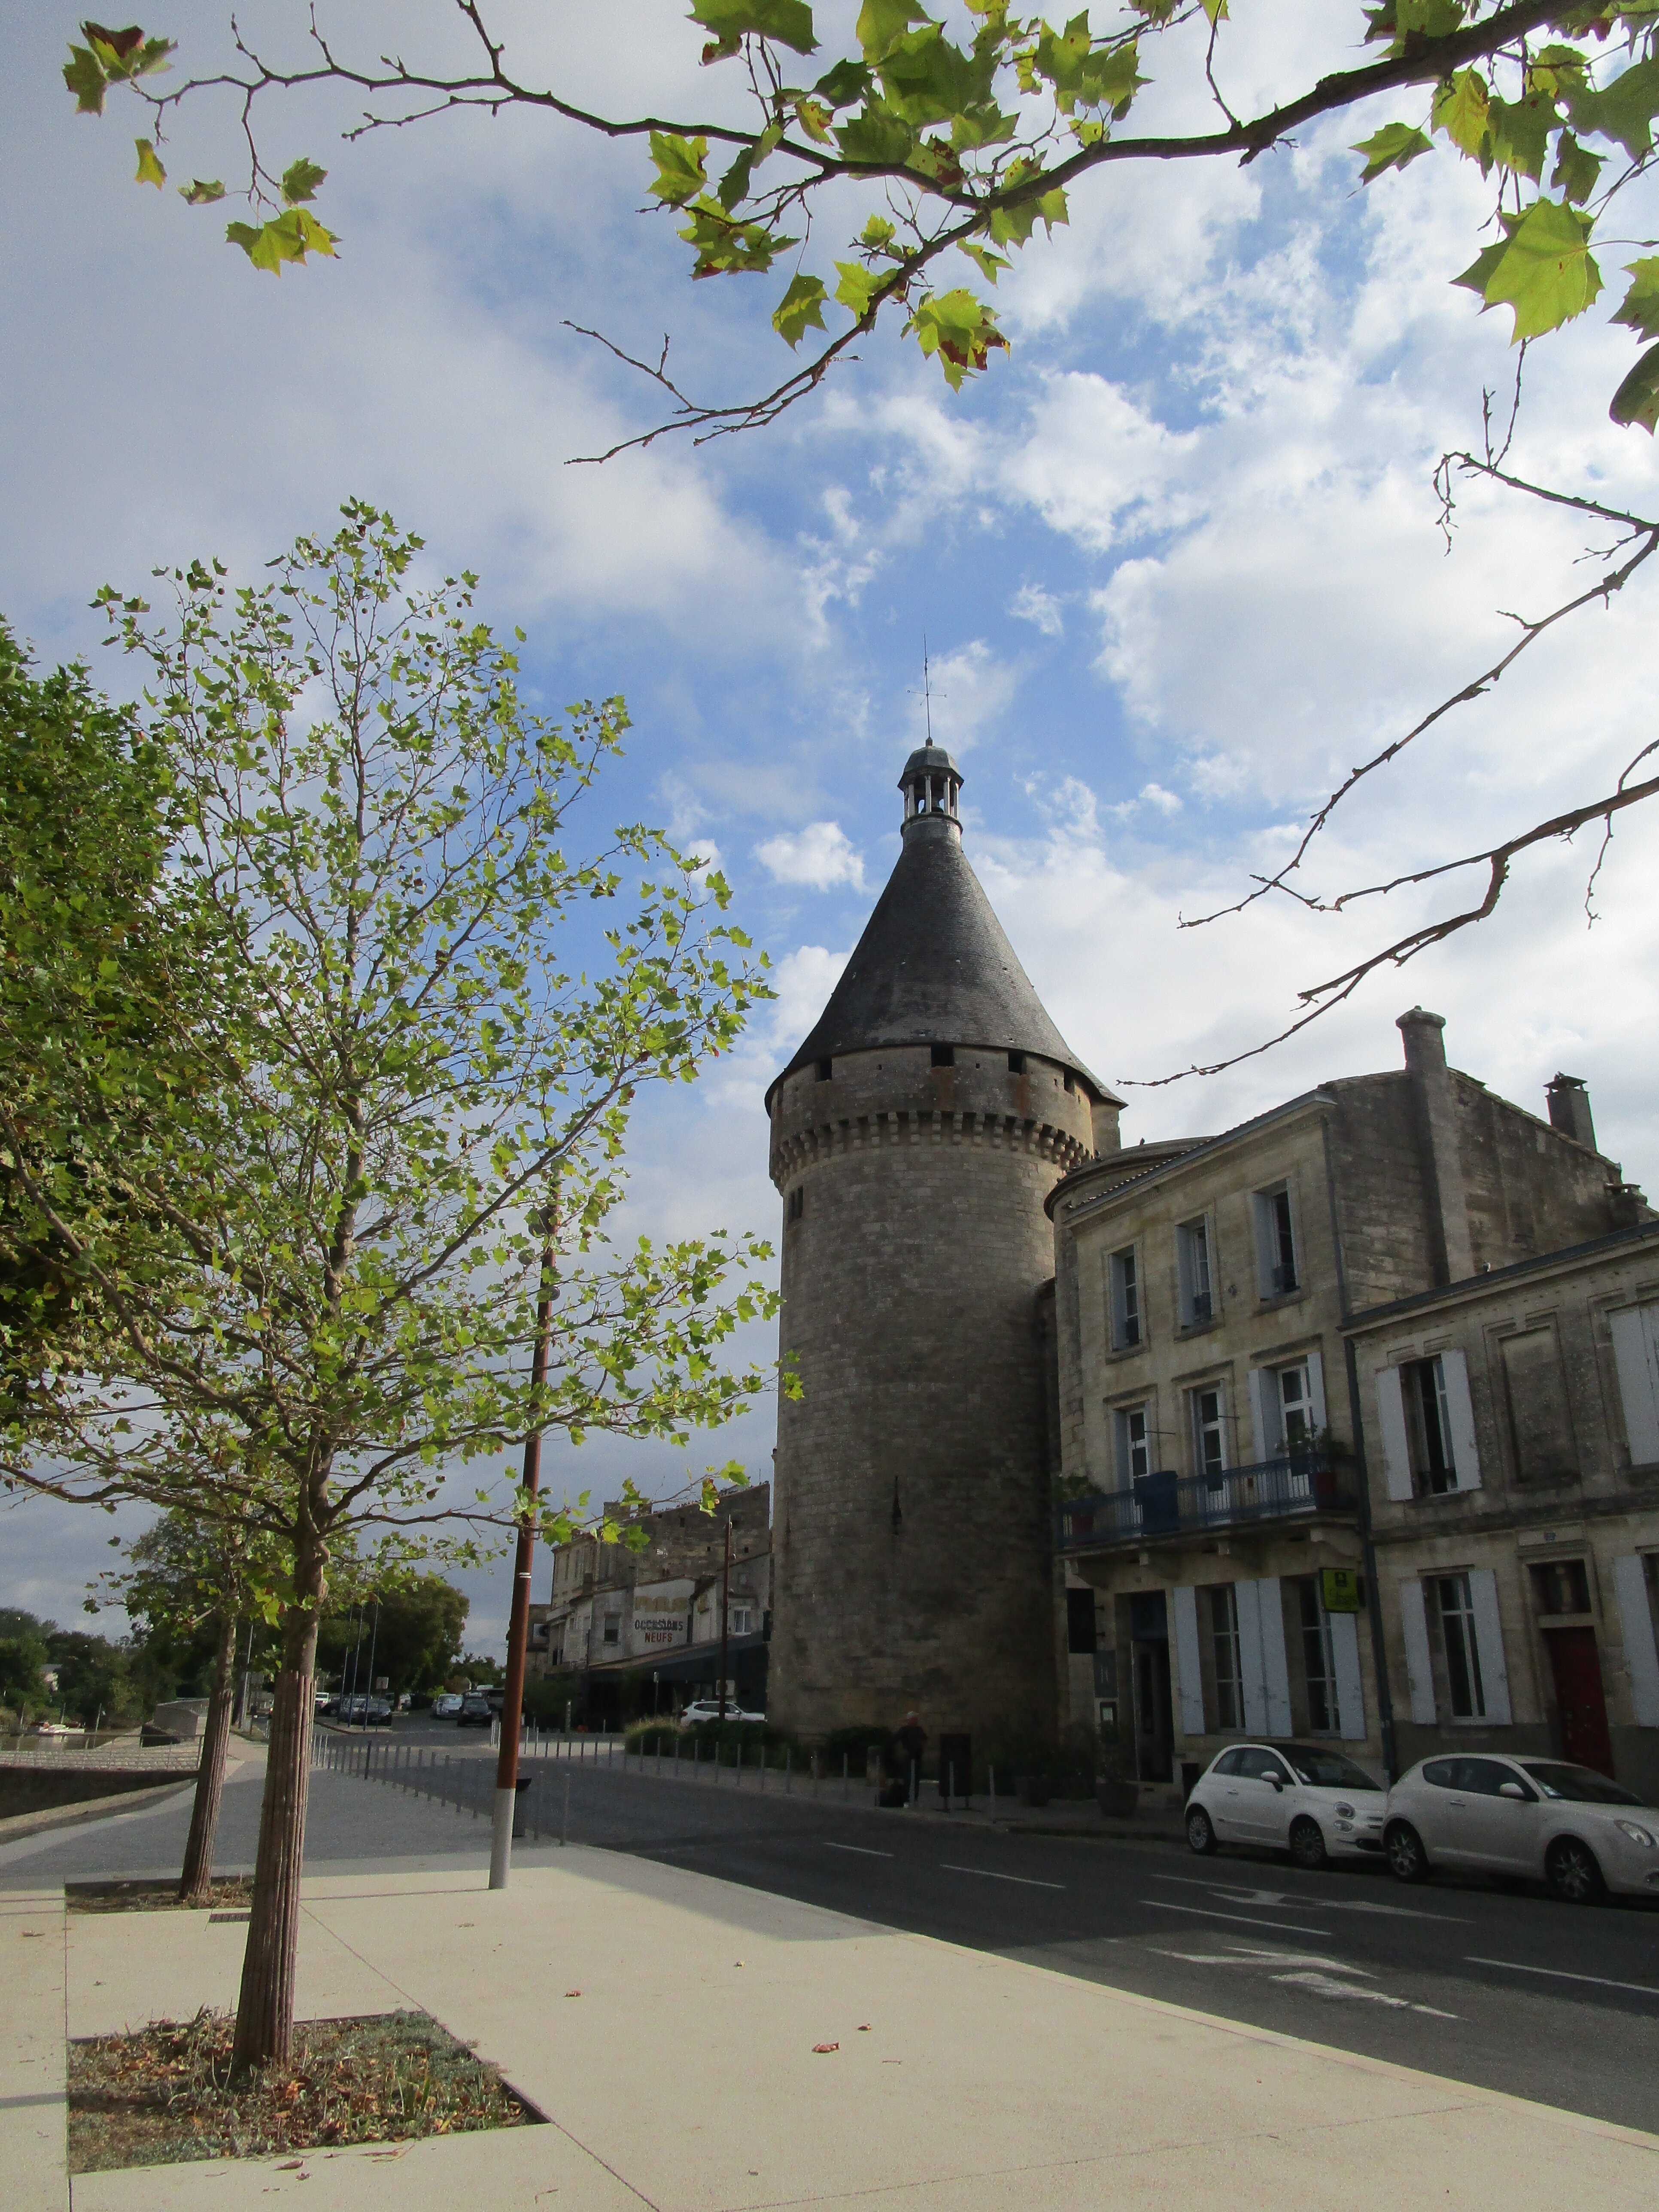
(930, 783)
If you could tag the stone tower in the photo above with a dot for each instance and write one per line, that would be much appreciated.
(914, 1137)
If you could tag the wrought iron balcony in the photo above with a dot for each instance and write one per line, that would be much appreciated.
(1162, 1505)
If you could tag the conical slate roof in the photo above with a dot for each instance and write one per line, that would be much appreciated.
(934, 967)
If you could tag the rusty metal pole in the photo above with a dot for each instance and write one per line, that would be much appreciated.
(725, 1607)
(518, 1632)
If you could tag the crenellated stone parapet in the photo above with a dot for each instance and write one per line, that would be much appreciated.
(802, 1148)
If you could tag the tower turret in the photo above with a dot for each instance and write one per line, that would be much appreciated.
(915, 1136)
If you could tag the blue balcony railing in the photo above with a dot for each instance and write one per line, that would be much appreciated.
(1166, 1505)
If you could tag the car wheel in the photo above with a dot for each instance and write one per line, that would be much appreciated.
(1572, 1873)
(1199, 1833)
(1307, 1845)
(1407, 1860)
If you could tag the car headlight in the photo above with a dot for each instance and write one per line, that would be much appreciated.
(1637, 1835)
(1344, 1812)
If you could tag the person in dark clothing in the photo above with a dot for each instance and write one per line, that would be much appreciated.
(912, 1741)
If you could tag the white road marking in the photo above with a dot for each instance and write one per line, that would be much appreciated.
(857, 1848)
(1560, 1974)
(1239, 1896)
(1205, 1912)
(1025, 1880)
(1317, 1974)
(1326, 1985)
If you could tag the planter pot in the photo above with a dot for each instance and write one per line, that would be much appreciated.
(1031, 1788)
(1117, 1800)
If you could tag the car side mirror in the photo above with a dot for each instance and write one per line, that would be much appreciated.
(1512, 1790)
(1278, 1783)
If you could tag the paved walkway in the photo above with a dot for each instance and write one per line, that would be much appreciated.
(666, 2022)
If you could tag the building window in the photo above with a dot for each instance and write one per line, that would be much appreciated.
(1275, 1244)
(1193, 1261)
(613, 1628)
(1016, 1063)
(797, 1203)
(1227, 1658)
(1561, 1586)
(826, 1069)
(1134, 1444)
(944, 1055)
(1428, 1426)
(1317, 1664)
(1457, 1636)
(1124, 1274)
(741, 1620)
(1209, 1411)
(1291, 1397)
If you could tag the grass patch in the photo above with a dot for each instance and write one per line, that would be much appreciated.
(231, 1894)
(163, 2094)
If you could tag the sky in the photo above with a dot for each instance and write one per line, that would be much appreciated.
(1175, 562)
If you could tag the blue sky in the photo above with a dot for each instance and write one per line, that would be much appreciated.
(1175, 561)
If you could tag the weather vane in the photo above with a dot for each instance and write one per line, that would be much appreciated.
(926, 690)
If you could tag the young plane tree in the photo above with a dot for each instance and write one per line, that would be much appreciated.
(443, 1013)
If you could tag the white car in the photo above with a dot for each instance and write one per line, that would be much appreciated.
(1301, 1798)
(708, 1709)
(1541, 1818)
(446, 1705)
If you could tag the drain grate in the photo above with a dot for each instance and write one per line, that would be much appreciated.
(215, 1918)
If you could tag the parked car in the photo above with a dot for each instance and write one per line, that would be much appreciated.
(1542, 1818)
(475, 1710)
(708, 1709)
(1305, 1799)
(363, 1708)
(446, 1706)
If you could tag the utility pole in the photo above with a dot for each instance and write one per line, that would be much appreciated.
(518, 1631)
(725, 1607)
(373, 1637)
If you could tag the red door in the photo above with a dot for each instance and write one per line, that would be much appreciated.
(1579, 1696)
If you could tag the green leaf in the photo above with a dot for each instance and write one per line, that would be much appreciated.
(1013, 226)
(990, 265)
(1636, 403)
(857, 286)
(85, 78)
(881, 21)
(845, 85)
(1518, 133)
(150, 171)
(727, 247)
(680, 172)
(800, 309)
(787, 22)
(960, 329)
(1575, 169)
(877, 137)
(1545, 272)
(1395, 146)
(1640, 311)
(203, 192)
(1624, 110)
(734, 184)
(928, 80)
(1479, 274)
(1460, 109)
(286, 237)
(301, 180)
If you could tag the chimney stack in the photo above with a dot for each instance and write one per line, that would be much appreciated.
(1569, 1109)
(1451, 1254)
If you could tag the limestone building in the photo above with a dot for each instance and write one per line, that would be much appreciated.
(916, 1136)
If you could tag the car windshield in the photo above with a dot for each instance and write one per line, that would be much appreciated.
(1582, 1785)
(1325, 1770)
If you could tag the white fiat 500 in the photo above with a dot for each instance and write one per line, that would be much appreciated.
(1301, 1798)
(1542, 1818)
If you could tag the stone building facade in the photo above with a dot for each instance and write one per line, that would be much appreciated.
(915, 1138)
(1215, 1524)
(1511, 1431)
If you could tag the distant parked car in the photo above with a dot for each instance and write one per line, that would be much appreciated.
(475, 1710)
(1542, 1818)
(1305, 1799)
(446, 1706)
(708, 1709)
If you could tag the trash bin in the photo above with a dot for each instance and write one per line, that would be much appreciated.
(955, 1767)
(519, 1786)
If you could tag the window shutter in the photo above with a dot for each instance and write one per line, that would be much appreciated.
(1275, 1669)
(1635, 1352)
(1391, 1417)
(1459, 1414)
(1420, 1673)
(1489, 1640)
(1189, 1679)
(1254, 1683)
(1316, 1393)
(1344, 1663)
(1266, 1435)
(1641, 1657)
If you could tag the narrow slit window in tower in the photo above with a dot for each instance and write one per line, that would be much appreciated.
(944, 1055)
(1016, 1063)
(826, 1069)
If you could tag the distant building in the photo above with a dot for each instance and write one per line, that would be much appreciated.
(1212, 1438)
(637, 1629)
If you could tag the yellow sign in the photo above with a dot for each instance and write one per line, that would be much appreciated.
(1339, 1587)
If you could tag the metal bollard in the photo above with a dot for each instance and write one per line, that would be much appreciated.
(843, 1774)
(950, 1786)
(564, 1821)
(991, 1776)
(788, 1770)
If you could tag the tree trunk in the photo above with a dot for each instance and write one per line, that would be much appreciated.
(264, 2010)
(196, 1882)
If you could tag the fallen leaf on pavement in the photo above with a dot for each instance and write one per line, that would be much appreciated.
(826, 2046)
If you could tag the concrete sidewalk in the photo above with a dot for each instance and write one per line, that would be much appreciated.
(666, 2024)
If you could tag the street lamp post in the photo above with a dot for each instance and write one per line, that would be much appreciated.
(518, 1631)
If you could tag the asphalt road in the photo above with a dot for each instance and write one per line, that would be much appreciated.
(1502, 1988)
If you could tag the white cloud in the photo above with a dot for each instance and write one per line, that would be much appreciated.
(1031, 604)
(972, 691)
(819, 856)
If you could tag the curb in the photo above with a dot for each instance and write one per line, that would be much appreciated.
(19, 1825)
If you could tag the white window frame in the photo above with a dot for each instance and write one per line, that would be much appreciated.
(1197, 1425)
(1633, 1581)
(1268, 1403)
(1196, 1271)
(1635, 1332)
(1226, 1635)
(1405, 1475)
(1126, 1302)
(1270, 1264)
(1125, 1443)
(1481, 1631)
